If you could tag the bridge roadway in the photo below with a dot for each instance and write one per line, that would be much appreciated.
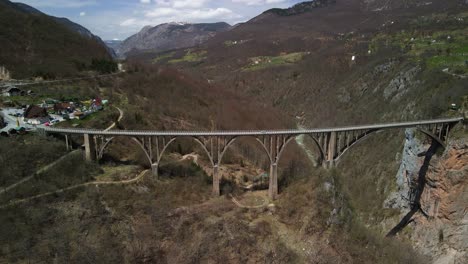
(331, 143)
(249, 132)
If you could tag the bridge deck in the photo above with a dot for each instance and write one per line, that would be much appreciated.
(251, 132)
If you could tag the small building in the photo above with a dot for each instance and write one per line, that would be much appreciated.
(64, 108)
(97, 104)
(49, 103)
(36, 115)
(12, 91)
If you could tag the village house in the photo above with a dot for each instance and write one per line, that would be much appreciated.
(12, 91)
(49, 103)
(64, 108)
(96, 104)
(36, 115)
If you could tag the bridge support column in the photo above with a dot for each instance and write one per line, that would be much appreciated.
(90, 154)
(331, 150)
(216, 181)
(69, 142)
(273, 186)
(154, 170)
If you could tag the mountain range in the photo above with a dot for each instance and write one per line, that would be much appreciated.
(169, 36)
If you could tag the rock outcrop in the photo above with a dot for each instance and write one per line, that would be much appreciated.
(442, 231)
(439, 229)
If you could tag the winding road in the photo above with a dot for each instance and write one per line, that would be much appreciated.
(46, 168)
(95, 183)
(121, 114)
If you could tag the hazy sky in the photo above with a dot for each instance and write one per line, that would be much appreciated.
(118, 19)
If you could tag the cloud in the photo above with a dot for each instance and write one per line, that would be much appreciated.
(122, 18)
(211, 13)
(168, 14)
(189, 3)
(161, 12)
(190, 14)
(128, 22)
(82, 14)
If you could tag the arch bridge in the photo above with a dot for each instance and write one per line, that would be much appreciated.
(331, 143)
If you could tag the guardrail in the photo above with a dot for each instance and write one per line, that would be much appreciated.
(250, 132)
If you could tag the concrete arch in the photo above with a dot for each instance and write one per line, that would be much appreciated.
(234, 139)
(192, 137)
(369, 133)
(103, 148)
(432, 136)
(283, 148)
(148, 156)
(322, 152)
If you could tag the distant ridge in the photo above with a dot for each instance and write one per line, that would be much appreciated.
(174, 35)
(300, 7)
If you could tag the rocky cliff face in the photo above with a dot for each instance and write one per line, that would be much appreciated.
(440, 227)
(442, 230)
(170, 36)
(407, 176)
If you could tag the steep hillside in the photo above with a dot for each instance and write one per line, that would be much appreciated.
(352, 62)
(170, 36)
(287, 63)
(34, 44)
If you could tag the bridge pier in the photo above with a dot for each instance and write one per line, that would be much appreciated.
(89, 144)
(155, 171)
(331, 150)
(68, 142)
(216, 181)
(273, 186)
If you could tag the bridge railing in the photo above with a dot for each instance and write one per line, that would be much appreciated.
(250, 132)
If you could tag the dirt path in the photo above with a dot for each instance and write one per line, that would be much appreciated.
(41, 170)
(96, 183)
(121, 113)
(264, 204)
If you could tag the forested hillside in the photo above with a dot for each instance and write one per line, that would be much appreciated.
(36, 45)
